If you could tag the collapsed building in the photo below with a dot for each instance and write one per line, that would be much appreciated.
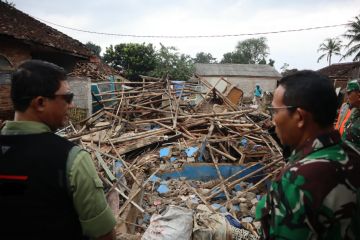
(179, 153)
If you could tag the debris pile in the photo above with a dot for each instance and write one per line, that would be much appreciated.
(167, 149)
(94, 70)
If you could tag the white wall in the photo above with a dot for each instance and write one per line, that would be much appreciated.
(81, 87)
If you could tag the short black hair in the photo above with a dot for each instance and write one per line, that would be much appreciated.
(312, 92)
(34, 78)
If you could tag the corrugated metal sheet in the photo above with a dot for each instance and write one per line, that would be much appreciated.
(251, 70)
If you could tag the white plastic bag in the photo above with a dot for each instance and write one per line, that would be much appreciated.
(174, 223)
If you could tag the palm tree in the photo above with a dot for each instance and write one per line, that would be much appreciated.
(330, 47)
(353, 33)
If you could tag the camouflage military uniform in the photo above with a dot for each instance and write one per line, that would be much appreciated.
(314, 197)
(352, 128)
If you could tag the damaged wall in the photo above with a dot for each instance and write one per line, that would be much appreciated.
(246, 84)
(6, 109)
(81, 86)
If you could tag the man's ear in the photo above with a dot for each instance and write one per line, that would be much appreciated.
(38, 103)
(301, 117)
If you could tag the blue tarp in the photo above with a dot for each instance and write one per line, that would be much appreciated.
(207, 172)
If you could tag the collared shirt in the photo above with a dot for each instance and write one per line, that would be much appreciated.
(352, 128)
(95, 215)
(314, 197)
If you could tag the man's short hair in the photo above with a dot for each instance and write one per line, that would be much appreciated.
(312, 92)
(34, 78)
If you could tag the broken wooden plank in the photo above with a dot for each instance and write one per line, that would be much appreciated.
(105, 167)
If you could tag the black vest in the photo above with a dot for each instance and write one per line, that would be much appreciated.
(34, 199)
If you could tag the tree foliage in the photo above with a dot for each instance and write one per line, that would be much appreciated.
(330, 47)
(284, 67)
(203, 57)
(249, 51)
(140, 59)
(170, 62)
(254, 50)
(232, 57)
(353, 34)
(271, 62)
(11, 4)
(285, 71)
(288, 72)
(95, 49)
(135, 59)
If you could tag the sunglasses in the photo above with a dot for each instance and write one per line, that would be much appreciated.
(68, 97)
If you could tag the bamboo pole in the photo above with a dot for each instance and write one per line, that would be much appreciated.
(222, 153)
(232, 184)
(123, 207)
(196, 116)
(219, 175)
(78, 135)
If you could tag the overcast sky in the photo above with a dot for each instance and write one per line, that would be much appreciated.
(203, 17)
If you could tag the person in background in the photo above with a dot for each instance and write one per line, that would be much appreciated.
(49, 187)
(316, 195)
(343, 117)
(257, 94)
(352, 126)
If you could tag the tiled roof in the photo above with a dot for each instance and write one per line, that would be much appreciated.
(340, 70)
(19, 25)
(97, 71)
(251, 70)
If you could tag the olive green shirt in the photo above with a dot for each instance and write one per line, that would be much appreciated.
(84, 184)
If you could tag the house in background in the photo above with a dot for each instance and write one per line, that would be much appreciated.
(242, 76)
(341, 73)
(22, 37)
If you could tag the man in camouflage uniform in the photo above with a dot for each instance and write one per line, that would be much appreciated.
(352, 126)
(316, 194)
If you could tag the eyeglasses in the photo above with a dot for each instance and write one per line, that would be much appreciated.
(274, 110)
(68, 97)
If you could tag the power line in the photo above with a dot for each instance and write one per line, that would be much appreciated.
(194, 36)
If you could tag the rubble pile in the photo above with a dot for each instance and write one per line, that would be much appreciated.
(167, 150)
(94, 70)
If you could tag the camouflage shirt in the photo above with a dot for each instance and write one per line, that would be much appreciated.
(352, 128)
(315, 195)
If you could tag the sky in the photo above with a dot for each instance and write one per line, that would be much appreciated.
(204, 17)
